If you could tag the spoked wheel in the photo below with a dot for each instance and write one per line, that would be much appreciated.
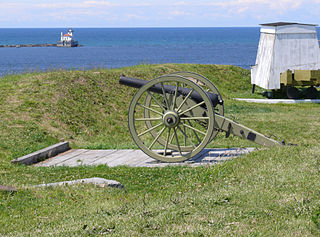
(208, 86)
(205, 84)
(166, 123)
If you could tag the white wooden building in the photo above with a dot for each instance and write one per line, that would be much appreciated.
(284, 46)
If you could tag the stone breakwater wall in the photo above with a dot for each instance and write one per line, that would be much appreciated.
(31, 45)
(28, 45)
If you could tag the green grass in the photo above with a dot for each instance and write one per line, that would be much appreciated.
(270, 192)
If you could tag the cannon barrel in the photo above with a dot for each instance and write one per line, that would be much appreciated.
(137, 83)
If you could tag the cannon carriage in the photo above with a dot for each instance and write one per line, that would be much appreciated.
(172, 118)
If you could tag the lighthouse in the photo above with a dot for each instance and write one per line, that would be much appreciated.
(66, 40)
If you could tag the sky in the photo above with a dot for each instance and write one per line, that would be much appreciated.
(154, 13)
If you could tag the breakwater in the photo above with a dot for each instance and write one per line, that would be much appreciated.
(33, 45)
(28, 45)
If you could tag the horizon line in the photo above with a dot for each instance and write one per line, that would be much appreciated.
(110, 27)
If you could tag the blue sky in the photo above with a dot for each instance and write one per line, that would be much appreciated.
(150, 13)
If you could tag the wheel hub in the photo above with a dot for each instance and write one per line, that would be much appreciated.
(171, 119)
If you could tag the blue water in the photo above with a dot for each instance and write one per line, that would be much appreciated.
(119, 47)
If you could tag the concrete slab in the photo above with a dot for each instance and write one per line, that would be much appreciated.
(136, 158)
(276, 101)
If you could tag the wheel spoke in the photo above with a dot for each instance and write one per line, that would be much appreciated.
(178, 145)
(199, 140)
(191, 108)
(148, 119)
(155, 106)
(175, 96)
(194, 129)
(164, 95)
(148, 108)
(156, 139)
(185, 99)
(150, 129)
(171, 138)
(154, 98)
(167, 141)
(186, 138)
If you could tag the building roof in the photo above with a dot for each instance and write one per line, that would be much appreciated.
(285, 24)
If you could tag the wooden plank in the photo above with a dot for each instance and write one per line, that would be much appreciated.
(120, 158)
(150, 162)
(99, 155)
(146, 162)
(102, 160)
(136, 157)
(81, 159)
(62, 158)
(112, 157)
(43, 154)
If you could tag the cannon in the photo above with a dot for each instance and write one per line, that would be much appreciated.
(172, 118)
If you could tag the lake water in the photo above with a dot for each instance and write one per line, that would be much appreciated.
(119, 47)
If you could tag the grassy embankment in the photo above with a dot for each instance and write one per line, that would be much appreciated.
(268, 192)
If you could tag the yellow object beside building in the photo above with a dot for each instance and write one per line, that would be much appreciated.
(300, 78)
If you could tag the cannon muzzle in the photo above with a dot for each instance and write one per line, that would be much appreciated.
(138, 83)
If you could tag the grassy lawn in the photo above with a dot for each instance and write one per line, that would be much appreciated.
(269, 192)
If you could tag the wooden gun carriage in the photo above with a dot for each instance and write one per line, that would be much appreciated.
(172, 118)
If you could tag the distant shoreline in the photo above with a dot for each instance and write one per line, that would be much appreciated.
(34, 45)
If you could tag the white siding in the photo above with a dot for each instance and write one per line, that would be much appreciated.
(259, 74)
(287, 48)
